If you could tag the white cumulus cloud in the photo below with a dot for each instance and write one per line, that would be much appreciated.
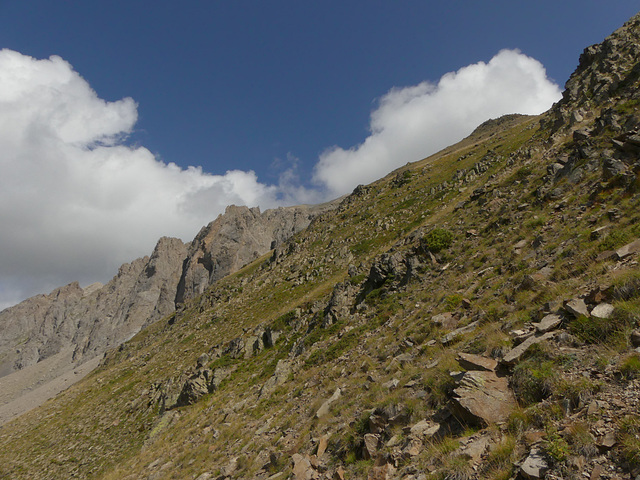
(413, 122)
(75, 201)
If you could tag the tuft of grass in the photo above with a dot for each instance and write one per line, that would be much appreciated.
(628, 436)
(630, 366)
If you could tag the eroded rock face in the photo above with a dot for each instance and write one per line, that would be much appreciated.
(89, 321)
(604, 70)
(236, 238)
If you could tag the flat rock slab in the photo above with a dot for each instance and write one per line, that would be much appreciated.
(577, 307)
(548, 323)
(535, 466)
(628, 249)
(468, 361)
(483, 398)
(514, 355)
(451, 337)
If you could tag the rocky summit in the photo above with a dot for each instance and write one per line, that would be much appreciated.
(473, 315)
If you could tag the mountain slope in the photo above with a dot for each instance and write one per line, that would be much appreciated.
(46, 337)
(471, 315)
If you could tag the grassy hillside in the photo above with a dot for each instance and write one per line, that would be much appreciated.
(336, 356)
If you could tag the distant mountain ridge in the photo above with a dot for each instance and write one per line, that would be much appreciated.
(89, 321)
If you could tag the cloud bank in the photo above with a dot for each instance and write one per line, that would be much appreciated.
(76, 201)
(412, 123)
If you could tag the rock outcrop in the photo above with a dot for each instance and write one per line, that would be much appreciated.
(91, 320)
(236, 238)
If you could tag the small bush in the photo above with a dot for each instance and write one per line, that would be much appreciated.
(556, 447)
(532, 380)
(437, 239)
(582, 442)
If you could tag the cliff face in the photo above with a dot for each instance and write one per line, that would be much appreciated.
(90, 321)
(607, 73)
(236, 238)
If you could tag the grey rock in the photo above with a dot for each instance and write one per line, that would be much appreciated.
(236, 238)
(612, 167)
(324, 408)
(629, 249)
(576, 307)
(548, 323)
(603, 311)
(424, 429)
(450, 337)
(535, 466)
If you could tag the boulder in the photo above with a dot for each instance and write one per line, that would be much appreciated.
(324, 408)
(483, 398)
(628, 249)
(576, 307)
(302, 468)
(371, 441)
(194, 388)
(612, 168)
(424, 429)
(535, 466)
(603, 311)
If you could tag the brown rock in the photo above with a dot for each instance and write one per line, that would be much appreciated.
(483, 398)
(322, 445)
(371, 441)
(382, 472)
(607, 441)
(302, 469)
(446, 320)
(469, 361)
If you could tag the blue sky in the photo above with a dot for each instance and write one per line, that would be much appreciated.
(125, 121)
(225, 84)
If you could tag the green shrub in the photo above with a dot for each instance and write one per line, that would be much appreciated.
(437, 239)
(612, 331)
(556, 447)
